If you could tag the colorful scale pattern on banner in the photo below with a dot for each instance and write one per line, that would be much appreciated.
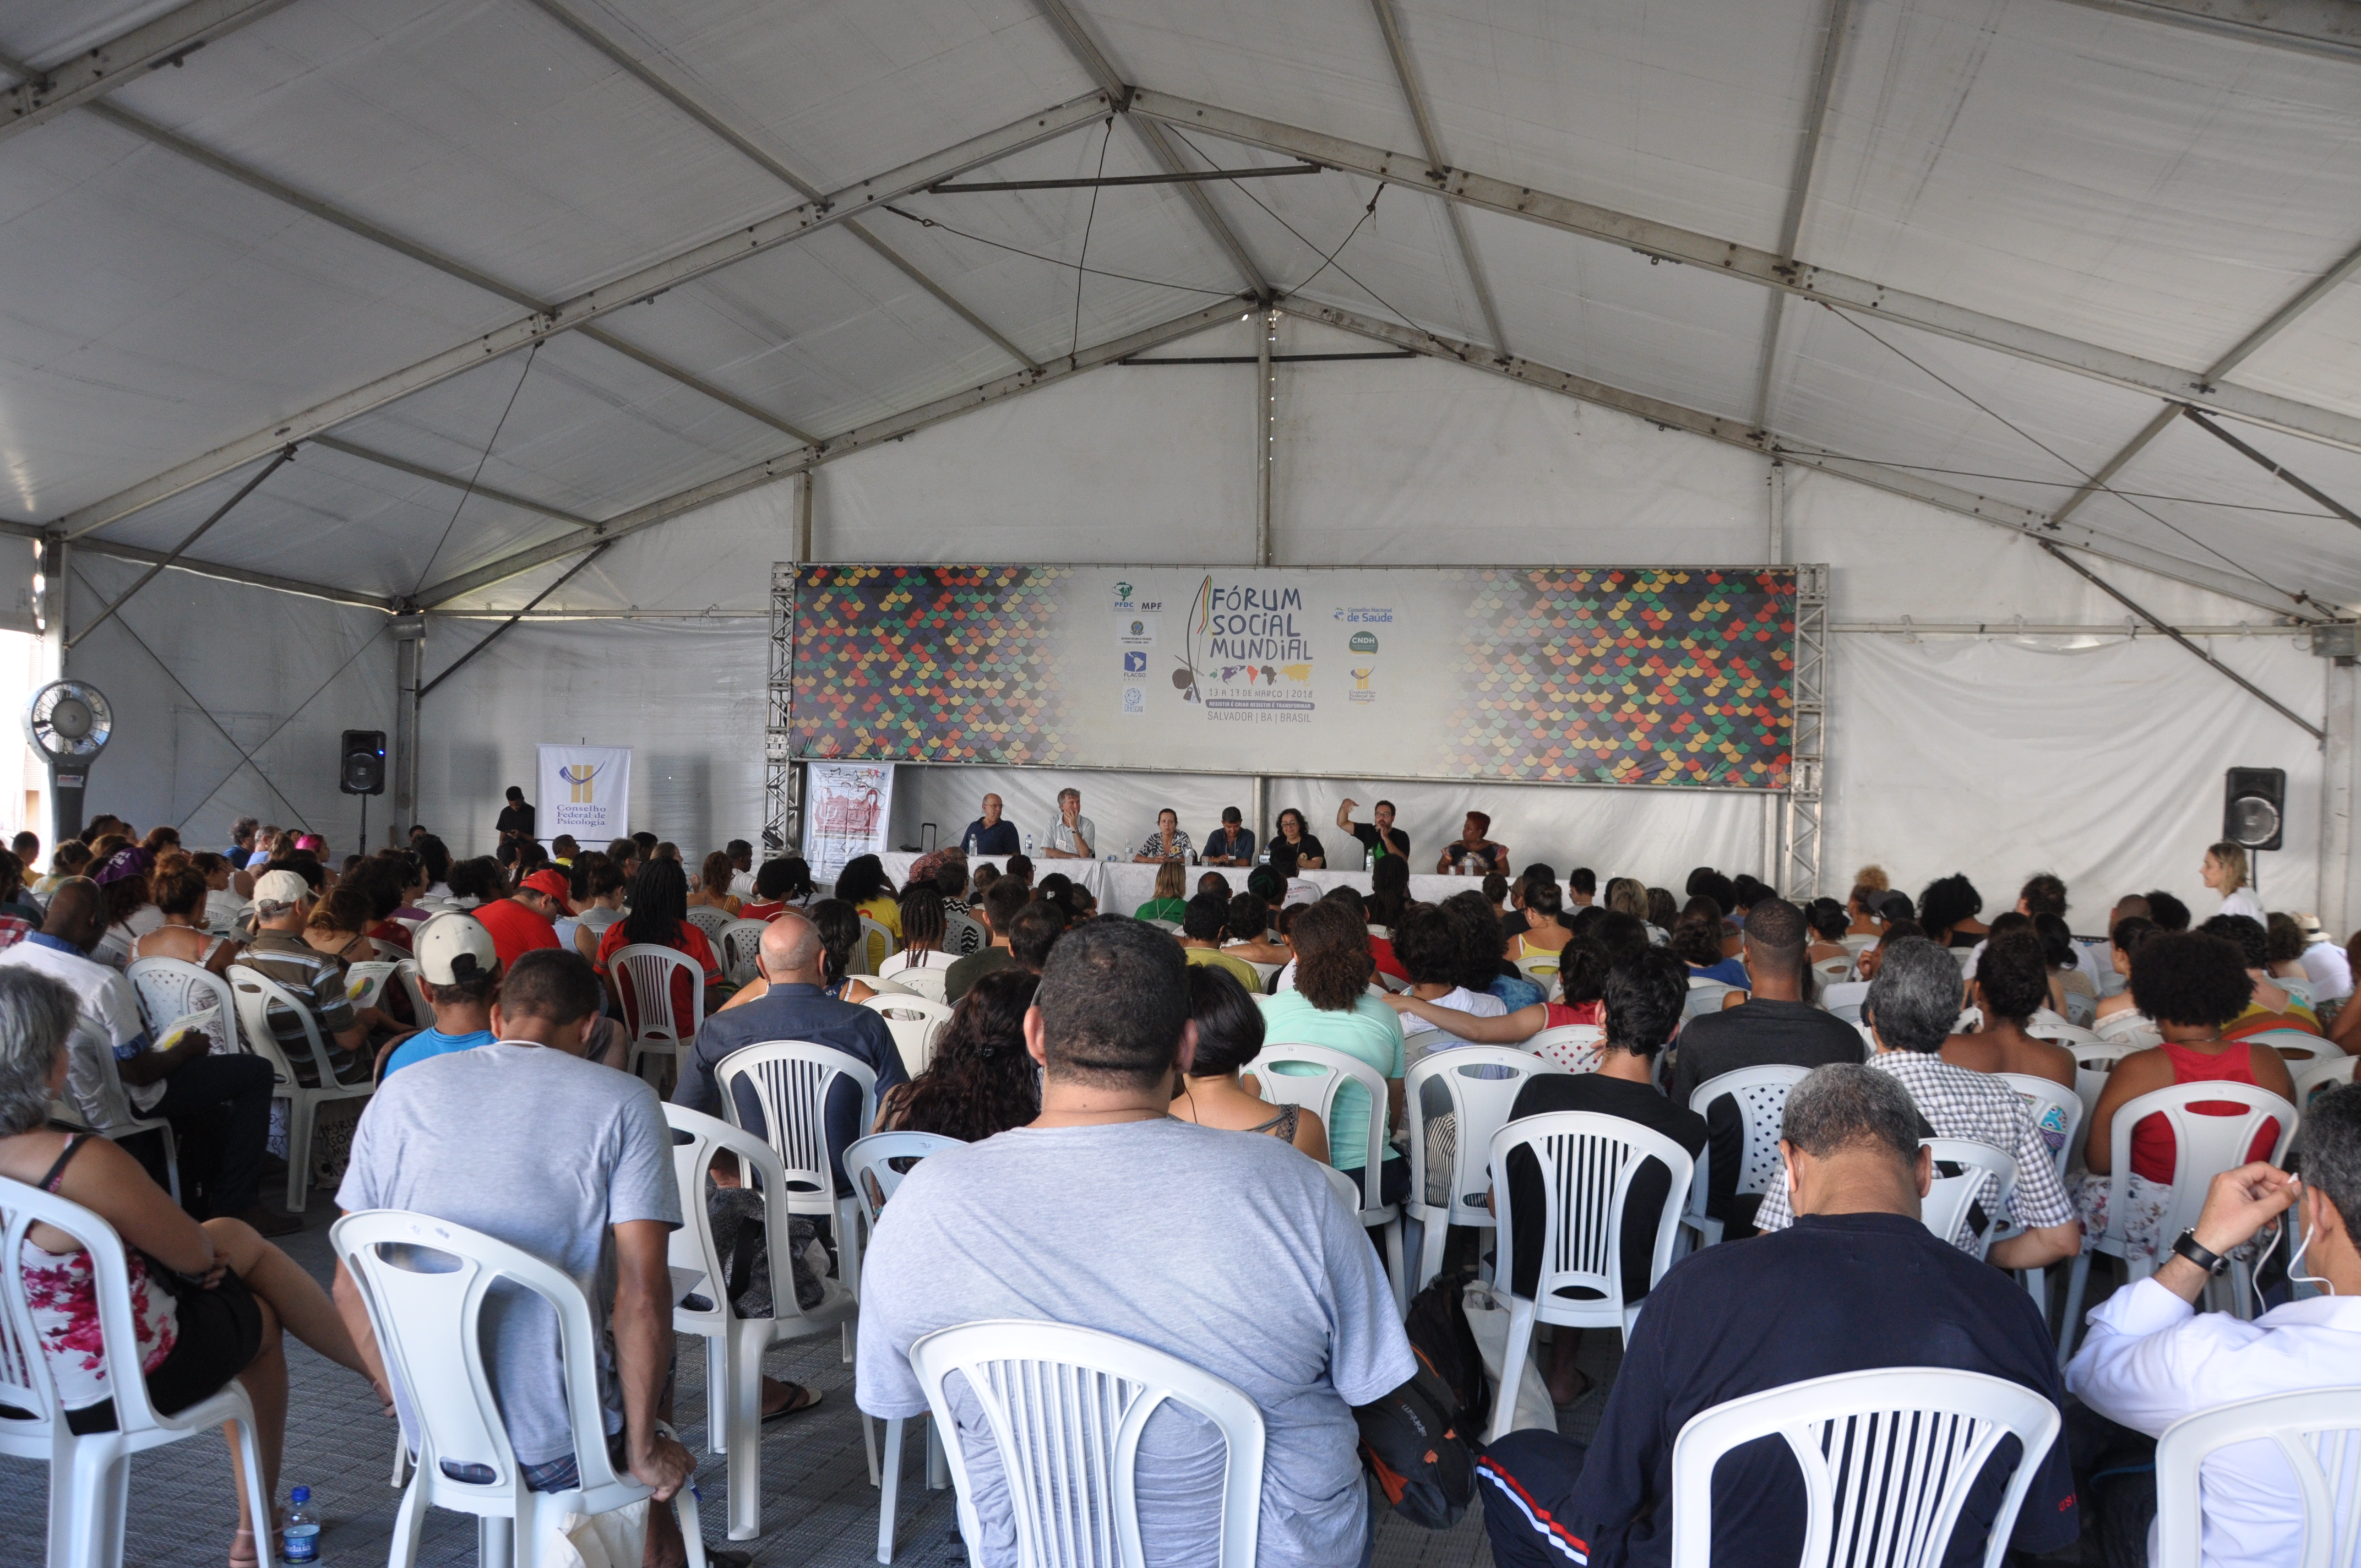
(1627, 676)
(952, 663)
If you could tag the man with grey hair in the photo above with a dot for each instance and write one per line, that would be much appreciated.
(792, 1006)
(1910, 1009)
(115, 1072)
(1857, 1282)
(1075, 837)
(2152, 1358)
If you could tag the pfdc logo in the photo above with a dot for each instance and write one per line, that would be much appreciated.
(1123, 591)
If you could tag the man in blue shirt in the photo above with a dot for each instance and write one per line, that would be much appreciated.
(794, 1007)
(988, 835)
(460, 965)
(1857, 1283)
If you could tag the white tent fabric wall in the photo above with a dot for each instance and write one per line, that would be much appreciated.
(281, 675)
(1403, 463)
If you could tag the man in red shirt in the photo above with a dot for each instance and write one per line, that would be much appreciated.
(526, 919)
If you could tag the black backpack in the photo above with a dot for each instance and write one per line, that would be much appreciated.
(1415, 1440)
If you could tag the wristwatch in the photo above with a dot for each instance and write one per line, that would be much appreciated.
(2204, 1257)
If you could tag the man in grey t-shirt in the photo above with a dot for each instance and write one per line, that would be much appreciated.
(570, 1161)
(1228, 1250)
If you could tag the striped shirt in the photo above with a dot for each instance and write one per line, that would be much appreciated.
(314, 978)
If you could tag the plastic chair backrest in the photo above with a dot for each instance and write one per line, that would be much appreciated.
(256, 995)
(643, 972)
(2203, 1146)
(1540, 966)
(1262, 972)
(172, 987)
(2058, 1032)
(709, 920)
(871, 1163)
(919, 980)
(1836, 971)
(2317, 1432)
(698, 1138)
(2319, 1076)
(1480, 1083)
(1705, 996)
(1066, 1407)
(1587, 1163)
(2091, 1065)
(1888, 1459)
(1987, 1177)
(876, 945)
(1316, 1088)
(790, 1079)
(916, 1021)
(424, 1282)
(413, 985)
(2056, 1113)
(737, 946)
(26, 1382)
(2294, 1046)
(2082, 1011)
(1762, 1096)
(1845, 1000)
(1574, 1046)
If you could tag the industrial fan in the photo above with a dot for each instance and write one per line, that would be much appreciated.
(68, 722)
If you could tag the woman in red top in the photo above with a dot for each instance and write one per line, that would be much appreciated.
(2192, 985)
(659, 917)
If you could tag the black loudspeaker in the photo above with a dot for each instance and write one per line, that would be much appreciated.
(361, 767)
(2253, 801)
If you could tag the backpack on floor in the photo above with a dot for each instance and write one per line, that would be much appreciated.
(1437, 1325)
(1410, 1441)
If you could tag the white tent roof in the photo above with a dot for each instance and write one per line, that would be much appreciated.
(2098, 201)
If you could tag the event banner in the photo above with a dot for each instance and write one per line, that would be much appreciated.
(1626, 675)
(585, 791)
(848, 806)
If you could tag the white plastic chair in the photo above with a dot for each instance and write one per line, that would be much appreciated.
(737, 946)
(2132, 1026)
(1705, 996)
(790, 1080)
(876, 945)
(428, 1331)
(2295, 1047)
(1065, 1408)
(1834, 971)
(413, 985)
(919, 980)
(1576, 1048)
(916, 1022)
(2047, 1026)
(2091, 1065)
(2322, 1077)
(1987, 1175)
(709, 920)
(1169, 928)
(1541, 968)
(2203, 1147)
(2056, 1112)
(643, 972)
(1317, 1090)
(734, 1345)
(1844, 1001)
(1262, 972)
(1760, 1094)
(257, 995)
(1588, 1162)
(1479, 1085)
(170, 989)
(1888, 1459)
(870, 1162)
(2317, 1432)
(90, 1475)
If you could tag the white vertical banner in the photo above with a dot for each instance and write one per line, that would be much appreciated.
(585, 791)
(849, 806)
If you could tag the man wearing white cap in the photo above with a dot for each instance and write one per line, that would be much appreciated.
(461, 971)
(282, 902)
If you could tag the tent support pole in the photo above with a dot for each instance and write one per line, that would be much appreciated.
(501, 629)
(2271, 465)
(148, 576)
(409, 659)
(2336, 753)
(2105, 587)
(1266, 394)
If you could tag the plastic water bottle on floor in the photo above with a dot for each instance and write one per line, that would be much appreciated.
(303, 1532)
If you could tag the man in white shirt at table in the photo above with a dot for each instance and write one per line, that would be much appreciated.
(2151, 1358)
(1075, 837)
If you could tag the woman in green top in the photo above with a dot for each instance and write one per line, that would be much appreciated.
(1167, 903)
(1330, 1005)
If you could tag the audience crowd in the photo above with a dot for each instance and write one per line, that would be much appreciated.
(502, 1027)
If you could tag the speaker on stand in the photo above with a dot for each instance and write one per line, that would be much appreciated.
(2254, 806)
(360, 769)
